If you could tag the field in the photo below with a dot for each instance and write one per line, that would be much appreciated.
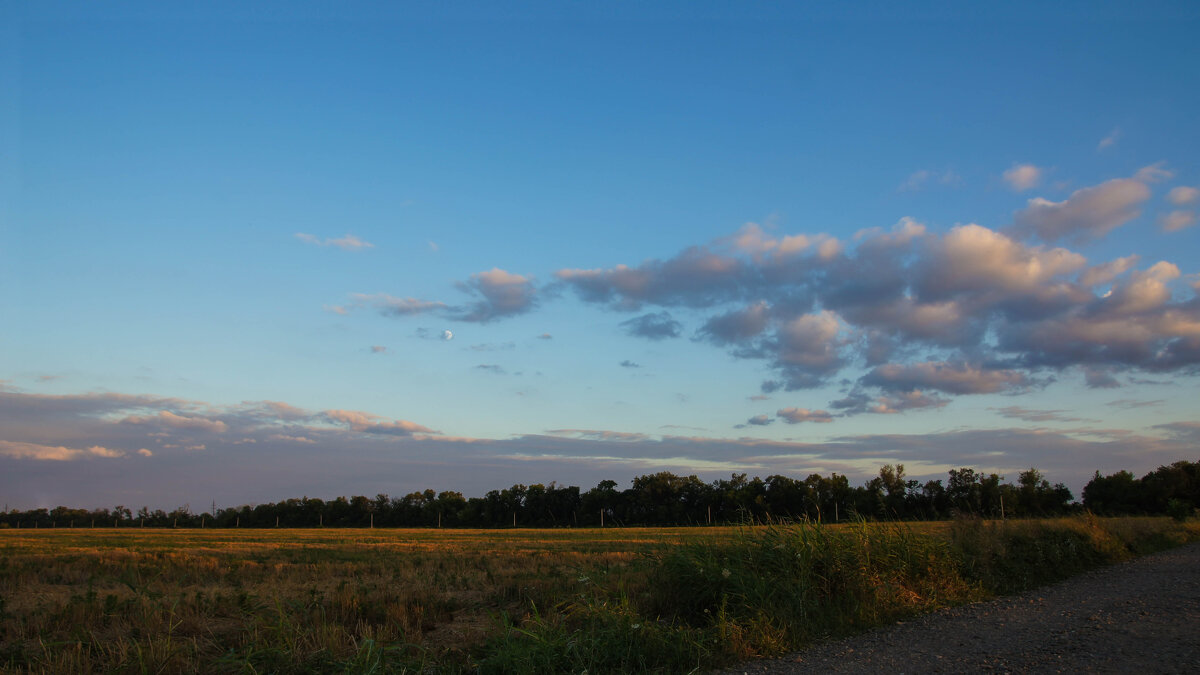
(605, 600)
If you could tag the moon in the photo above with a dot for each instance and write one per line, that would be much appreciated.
(447, 335)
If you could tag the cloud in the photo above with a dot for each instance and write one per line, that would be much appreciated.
(290, 439)
(1106, 272)
(545, 336)
(1029, 415)
(378, 349)
(1177, 220)
(921, 178)
(736, 326)
(392, 306)
(1109, 140)
(344, 461)
(599, 435)
(1023, 177)
(1131, 404)
(346, 243)
(57, 453)
(969, 310)
(493, 347)
(859, 403)
(809, 349)
(629, 364)
(760, 420)
(145, 452)
(501, 294)
(366, 423)
(1136, 323)
(1183, 195)
(653, 326)
(1153, 173)
(809, 306)
(1089, 213)
(491, 368)
(981, 268)
(697, 277)
(951, 378)
(1099, 378)
(273, 411)
(798, 415)
(166, 418)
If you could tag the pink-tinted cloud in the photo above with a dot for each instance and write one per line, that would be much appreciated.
(1089, 213)
(798, 415)
(1023, 177)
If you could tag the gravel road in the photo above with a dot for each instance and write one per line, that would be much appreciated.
(1141, 616)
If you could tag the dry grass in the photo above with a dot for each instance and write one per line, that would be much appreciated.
(80, 600)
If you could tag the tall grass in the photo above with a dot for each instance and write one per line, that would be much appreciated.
(767, 590)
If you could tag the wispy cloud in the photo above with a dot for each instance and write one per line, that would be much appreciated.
(346, 243)
(1183, 195)
(1030, 415)
(1177, 220)
(1109, 140)
(1023, 177)
(392, 306)
(55, 453)
(923, 178)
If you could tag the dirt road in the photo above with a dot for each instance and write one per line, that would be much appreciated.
(1140, 617)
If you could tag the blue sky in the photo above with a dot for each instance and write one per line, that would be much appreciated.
(696, 237)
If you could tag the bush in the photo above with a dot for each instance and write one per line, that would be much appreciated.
(1179, 509)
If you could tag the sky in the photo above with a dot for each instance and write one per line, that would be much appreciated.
(253, 253)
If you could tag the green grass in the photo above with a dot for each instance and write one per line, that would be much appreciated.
(393, 601)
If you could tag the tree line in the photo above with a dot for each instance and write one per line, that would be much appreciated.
(1172, 490)
(667, 499)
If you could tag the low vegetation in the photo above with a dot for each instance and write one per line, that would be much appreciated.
(600, 600)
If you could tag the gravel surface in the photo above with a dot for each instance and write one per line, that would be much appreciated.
(1141, 616)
